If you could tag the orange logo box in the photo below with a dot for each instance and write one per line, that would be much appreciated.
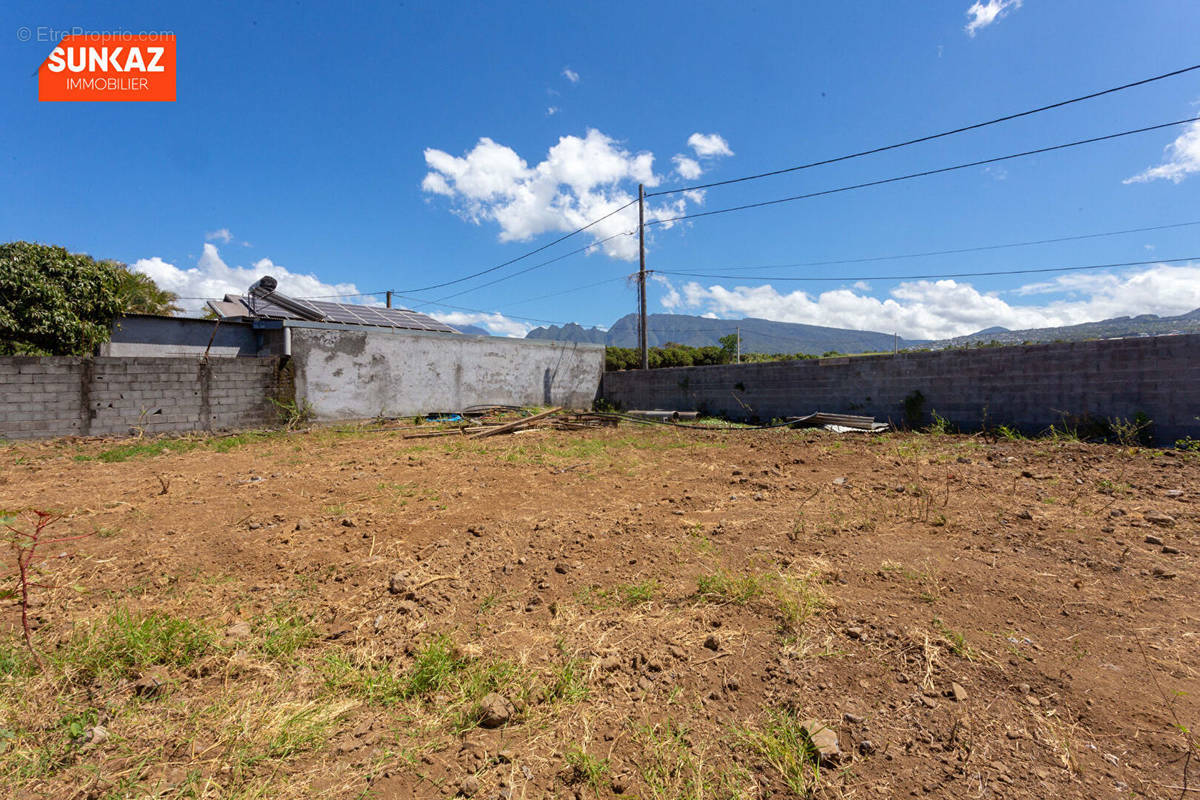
(109, 67)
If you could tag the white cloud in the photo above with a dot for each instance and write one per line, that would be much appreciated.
(497, 324)
(579, 181)
(985, 13)
(946, 308)
(709, 145)
(688, 168)
(570, 75)
(672, 299)
(212, 278)
(1182, 159)
(551, 111)
(220, 235)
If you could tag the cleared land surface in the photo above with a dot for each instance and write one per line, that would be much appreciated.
(647, 612)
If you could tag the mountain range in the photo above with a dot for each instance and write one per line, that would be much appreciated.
(767, 336)
(1117, 327)
(758, 335)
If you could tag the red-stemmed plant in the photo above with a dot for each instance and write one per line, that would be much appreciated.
(25, 545)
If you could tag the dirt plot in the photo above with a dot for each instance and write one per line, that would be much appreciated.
(639, 612)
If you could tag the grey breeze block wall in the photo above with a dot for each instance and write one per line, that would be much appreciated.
(1031, 387)
(47, 397)
(348, 374)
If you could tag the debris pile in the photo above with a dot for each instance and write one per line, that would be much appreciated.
(480, 422)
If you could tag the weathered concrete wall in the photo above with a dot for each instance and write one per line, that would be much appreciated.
(1032, 386)
(146, 335)
(47, 397)
(349, 374)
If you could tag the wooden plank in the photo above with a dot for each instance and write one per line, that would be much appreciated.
(447, 432)
(512, 426)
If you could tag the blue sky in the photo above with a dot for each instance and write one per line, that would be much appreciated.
(399, 146)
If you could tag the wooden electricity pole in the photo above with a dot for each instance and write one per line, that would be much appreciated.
(642, 277)
(389, 298)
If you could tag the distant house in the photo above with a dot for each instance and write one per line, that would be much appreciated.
(262, 302)
(256, 324)
(341, 361)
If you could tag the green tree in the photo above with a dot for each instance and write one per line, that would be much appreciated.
(729, 343)
(140, 294)
(53, 302)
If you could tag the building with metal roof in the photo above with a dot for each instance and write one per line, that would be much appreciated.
(264, 302)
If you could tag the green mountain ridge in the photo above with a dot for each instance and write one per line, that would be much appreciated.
(768, 336)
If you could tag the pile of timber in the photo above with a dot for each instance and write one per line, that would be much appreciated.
(482, 430)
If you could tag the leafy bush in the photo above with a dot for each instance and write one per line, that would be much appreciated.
(57, 303)
(682, 355)
(53, 302)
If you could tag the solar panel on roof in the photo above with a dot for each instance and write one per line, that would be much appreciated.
(277, 306)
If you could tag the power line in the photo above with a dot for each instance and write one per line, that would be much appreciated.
(958, 251)
(569, 291)
(931, 137)
(577, 251)
(922, 174)
(526, 255)
(868, 259)
(1028, 271)
(339, 296)
(489, 313)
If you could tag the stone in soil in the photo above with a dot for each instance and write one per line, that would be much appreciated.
(824, 740)
(1152, 539)
(958, 692)
(95, 736)
(495, 710)
(1159, 519)
(398, 583)
(150, 685)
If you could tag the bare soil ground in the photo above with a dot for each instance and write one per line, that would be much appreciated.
(641, 612)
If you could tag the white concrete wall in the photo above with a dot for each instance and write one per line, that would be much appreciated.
(355, 374)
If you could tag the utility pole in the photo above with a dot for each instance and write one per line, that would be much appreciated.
(739, 344)
(389, 298)
(642, 277)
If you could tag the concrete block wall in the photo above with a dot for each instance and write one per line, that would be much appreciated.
(356, 374)
(47, 397)
(1031, 387)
